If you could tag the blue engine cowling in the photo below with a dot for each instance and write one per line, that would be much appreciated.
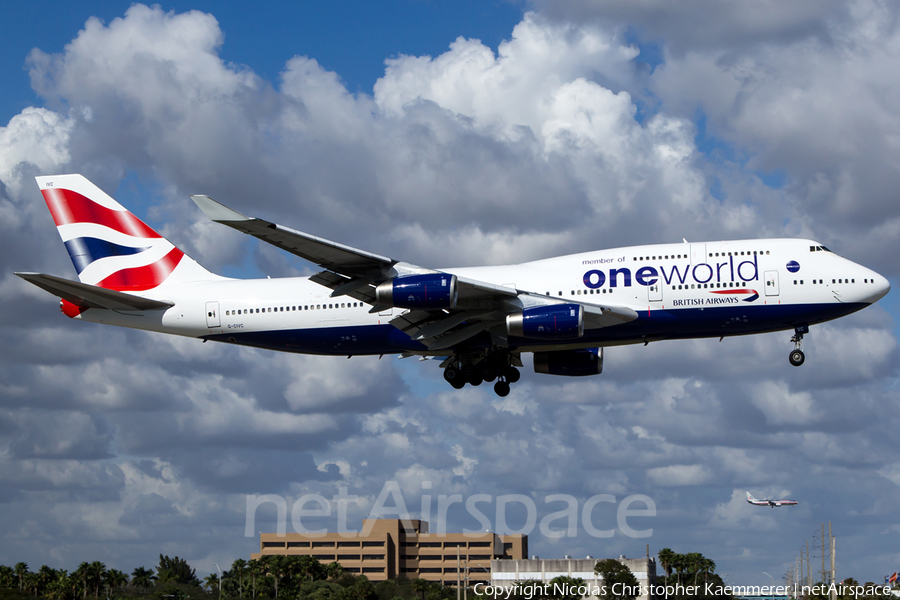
(553, 322)
(431, 290)
(571, 363)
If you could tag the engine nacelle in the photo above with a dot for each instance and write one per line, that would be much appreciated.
(571, 363)
(431, 290)
(552, 322)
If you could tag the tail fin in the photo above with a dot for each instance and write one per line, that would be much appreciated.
(750, 498)
(110, 247)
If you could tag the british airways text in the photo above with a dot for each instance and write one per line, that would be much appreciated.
(747, 270)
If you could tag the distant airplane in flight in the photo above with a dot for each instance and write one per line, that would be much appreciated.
(478, 320)
(770, 503)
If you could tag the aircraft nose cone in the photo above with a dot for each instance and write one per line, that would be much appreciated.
(879, 289)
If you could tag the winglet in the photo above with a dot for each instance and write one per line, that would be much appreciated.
(216, 211)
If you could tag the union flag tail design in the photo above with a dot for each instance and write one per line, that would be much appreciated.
(110, 247)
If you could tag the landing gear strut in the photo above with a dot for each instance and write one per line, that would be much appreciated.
(797, 356)
(482, 366)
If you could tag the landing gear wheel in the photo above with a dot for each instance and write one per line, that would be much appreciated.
(454, 377)
(489, 372)
(512, 374)
(501, 388)
(797, 357)
(476, 380)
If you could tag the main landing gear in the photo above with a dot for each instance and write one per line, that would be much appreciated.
(476, 368)
(797, 357)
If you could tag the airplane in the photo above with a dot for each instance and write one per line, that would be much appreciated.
(477, 320)
(770, 503)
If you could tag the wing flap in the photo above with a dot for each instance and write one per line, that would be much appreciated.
(596, 317)
(357, 288)
(91, 296)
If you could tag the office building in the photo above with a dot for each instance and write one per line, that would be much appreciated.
(388, 548)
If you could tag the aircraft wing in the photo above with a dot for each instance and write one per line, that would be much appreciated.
(328, 255)
(481, 306)
(91, 296)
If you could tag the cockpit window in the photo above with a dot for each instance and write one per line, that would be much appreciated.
(818, 249)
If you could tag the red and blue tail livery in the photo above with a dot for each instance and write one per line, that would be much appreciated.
(110, 247)
(565, 310)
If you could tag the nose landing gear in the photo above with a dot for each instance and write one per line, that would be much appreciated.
(797, 356)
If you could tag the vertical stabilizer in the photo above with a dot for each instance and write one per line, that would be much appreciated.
(109, 246)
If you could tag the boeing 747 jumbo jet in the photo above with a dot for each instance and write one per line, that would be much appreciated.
(479, 320)
(770, 503)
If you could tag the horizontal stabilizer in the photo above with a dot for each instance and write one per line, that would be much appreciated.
(91, 296)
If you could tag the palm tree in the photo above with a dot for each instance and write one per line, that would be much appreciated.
(420, 586)
(256, 568)
(665, 560)
(333, 570)
(58, 589)
(275, 568)
(142, 578)
(693, 560)
(45, 576)
(82, 573)
(96, 571)
(211, 581)
(239, 566)
(679, 563)
(115, 579)
(7, 576)
(21, 570)
(708, 566)
(32, 584)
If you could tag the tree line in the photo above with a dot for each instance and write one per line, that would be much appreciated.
(269, 577)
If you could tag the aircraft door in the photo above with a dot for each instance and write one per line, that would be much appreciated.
(655, 292)
(698, 254)
(771, 283)
(212, 314)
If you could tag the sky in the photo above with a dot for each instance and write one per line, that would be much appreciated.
(453, 134)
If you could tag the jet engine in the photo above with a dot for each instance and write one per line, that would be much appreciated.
(571, 363)
(552, 322)
(428, 291)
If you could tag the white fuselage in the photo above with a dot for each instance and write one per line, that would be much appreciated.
(678, 290)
